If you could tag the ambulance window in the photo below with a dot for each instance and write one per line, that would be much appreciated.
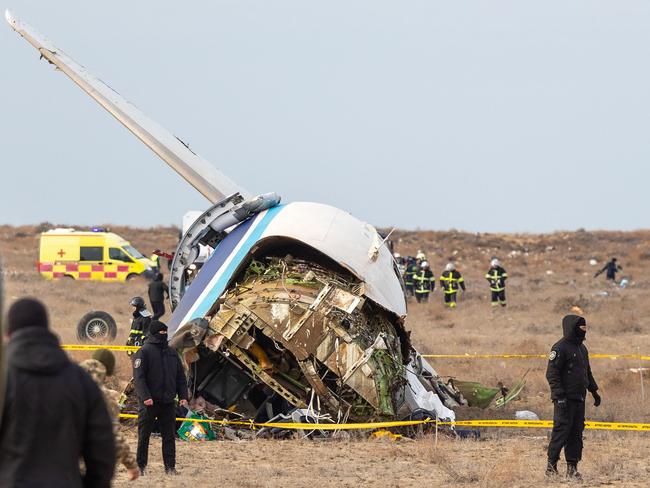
(91, 253)
(133, 252)
(118, 255)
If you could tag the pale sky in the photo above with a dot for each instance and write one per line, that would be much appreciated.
(475, 115)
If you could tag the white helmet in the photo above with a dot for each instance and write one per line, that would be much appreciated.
(424, 264)
(397, 255)
(450, 267)
(495, 262)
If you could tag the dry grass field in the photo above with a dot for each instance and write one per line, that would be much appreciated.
(548, 274)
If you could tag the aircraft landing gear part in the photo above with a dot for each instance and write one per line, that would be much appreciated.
(96, 326)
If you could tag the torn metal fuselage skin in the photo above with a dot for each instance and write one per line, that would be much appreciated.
(277, 317)
(299, 306)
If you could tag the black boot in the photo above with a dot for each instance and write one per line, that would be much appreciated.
(572, 471)
(551, 468)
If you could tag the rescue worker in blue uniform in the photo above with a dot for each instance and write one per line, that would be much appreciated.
(451, 281)
(425, 282)
(497, 277)
(569, 377)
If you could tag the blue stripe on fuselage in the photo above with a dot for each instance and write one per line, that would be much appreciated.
(213, 266)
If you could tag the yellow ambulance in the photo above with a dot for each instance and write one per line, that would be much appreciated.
(96, 255)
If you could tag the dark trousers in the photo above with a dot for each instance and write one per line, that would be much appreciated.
(410, 289)
(499, 298)
(568, 425)
(165, 413)
(158, 310)
(450, 299)
(422, 296)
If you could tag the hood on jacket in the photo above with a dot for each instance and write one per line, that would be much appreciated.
(571, 328)
(155, 336)
(37, 350)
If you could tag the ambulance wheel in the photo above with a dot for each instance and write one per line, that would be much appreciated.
(96, 326)
(131, 276)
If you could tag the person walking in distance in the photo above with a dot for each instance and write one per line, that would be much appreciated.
(158, 289)
(425, 282)
(497, 277)
(54, 414)
(451, 281)
(159, 377)
(411, 269)
(569, 377)
(101, 366)
(611, 268)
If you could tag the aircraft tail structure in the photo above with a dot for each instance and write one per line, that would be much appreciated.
(201, 174)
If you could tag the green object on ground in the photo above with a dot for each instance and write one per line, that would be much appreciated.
(196, 431)
(476, 394)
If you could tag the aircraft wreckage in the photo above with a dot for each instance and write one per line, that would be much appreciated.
(300, 306)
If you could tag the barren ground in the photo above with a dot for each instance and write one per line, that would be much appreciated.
(549, 274)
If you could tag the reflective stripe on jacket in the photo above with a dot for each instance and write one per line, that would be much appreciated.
(450, 281)
(497, 277)
(425, 281)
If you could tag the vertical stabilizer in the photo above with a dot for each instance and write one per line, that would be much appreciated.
(202, 175)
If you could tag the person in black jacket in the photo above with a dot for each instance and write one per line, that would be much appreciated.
(497, 277)
(451, 281)
(157, 291)
(569, 376)
(54, 413)
(139, 323)
(159, 377)
(425, 282)
(612, 268)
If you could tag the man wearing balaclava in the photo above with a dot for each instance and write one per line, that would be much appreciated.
(569, 376)
(159, 377)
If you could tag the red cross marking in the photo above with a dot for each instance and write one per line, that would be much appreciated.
(61, 253)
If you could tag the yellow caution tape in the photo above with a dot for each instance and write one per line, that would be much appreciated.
(299, 425)
(544, 424)
(530, 356)
(94, 347)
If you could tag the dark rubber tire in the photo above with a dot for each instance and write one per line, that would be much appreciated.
(96, 326)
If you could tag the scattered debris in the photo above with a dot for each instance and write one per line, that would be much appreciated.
(526, 415)
(513, 393)
(475, 393)
(195, 431)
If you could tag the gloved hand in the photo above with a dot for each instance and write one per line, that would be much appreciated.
(561, 403)
(596, 398)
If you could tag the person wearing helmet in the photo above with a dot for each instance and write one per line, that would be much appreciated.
(425, 282)
(409, 282)
(450, 281)
(139, 323)
(497, 277)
